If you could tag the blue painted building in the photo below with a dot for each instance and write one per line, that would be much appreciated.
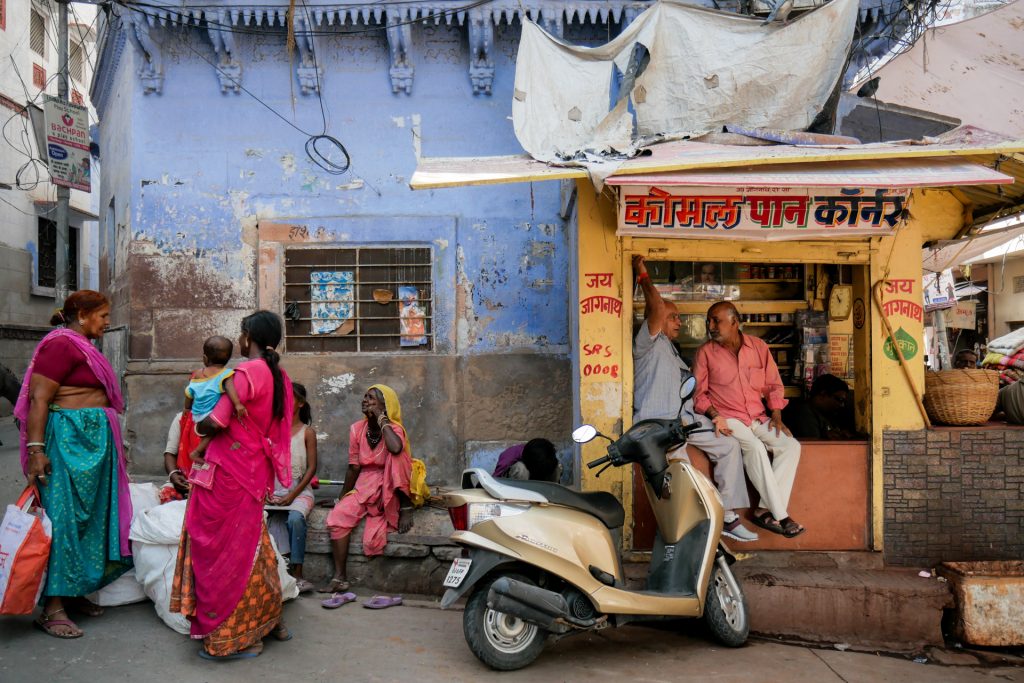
(212, 208)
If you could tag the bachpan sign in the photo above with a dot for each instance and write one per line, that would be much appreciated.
(67, 144)
(762, 213)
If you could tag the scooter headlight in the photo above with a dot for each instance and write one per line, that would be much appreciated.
(481, 512)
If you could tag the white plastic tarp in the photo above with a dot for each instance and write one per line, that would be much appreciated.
(706, 69)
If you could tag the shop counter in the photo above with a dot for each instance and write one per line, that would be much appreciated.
(830, 498)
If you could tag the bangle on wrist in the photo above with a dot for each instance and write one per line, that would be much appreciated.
(30, 444)
(173, 472)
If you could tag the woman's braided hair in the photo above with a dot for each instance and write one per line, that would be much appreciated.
(264, 329)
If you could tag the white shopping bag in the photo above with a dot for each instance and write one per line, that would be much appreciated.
(25, 535)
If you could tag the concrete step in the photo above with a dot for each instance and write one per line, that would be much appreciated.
(893, 610)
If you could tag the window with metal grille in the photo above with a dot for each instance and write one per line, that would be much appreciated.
(47, 271)
(37, 33)
(76, 62)
(359, 299)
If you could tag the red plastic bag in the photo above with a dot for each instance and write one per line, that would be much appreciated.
(25, 535)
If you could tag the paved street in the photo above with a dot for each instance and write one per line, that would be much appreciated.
(425, 644)
(418, 643)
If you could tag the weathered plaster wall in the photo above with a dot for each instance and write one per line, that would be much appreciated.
(216, 168)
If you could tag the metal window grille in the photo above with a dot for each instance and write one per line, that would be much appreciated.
(76, 62)
(37, 33)
(1018, 284)
(367, 316)
(47, 271)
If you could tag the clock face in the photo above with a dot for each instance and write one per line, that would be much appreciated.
(840, 302)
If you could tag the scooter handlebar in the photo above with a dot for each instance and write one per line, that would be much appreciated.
(600, 461)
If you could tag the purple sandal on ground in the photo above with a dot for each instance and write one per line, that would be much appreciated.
(382, 602)
(337, 600)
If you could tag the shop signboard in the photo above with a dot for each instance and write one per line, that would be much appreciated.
(67, 144)
(759, 212)
(963, 315)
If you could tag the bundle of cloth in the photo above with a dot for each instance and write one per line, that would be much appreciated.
(1008, 344)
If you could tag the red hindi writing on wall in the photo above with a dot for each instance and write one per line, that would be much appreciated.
(893, 286)
(601, 304)
(595, 280)
(904, 307)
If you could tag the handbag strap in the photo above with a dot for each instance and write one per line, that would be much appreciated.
(30, 492)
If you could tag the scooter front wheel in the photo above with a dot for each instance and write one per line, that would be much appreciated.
(499, 640)
(725, 609)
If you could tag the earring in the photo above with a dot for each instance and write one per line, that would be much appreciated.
(81, 323)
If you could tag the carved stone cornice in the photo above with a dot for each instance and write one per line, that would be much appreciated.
(398, 22)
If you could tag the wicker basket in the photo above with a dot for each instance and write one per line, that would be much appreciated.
(961, 397)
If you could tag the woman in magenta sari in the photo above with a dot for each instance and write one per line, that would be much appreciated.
(71, 449)
(226, 580)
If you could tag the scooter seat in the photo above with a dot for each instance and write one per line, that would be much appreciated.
(600, 504)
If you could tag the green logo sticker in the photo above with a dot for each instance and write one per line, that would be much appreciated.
(908, 345)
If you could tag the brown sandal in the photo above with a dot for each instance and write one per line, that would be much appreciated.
(45, 623)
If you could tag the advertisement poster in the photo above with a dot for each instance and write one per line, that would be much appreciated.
(332, 298)
(938, 290)
(839, 355)
(67, 144)
(411, 317)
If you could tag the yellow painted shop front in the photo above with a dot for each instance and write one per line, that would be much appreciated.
(838, 491)
(859, 267)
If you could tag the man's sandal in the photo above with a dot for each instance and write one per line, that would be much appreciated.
(46, 624)
(790, 528)
(768, 523)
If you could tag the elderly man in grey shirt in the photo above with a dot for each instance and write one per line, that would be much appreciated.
(658, 374)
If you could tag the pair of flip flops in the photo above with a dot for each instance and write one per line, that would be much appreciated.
(376, 602)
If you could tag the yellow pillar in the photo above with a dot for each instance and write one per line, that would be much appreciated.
(601, 353)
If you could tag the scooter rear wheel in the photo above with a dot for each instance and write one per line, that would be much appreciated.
(499, 640)
(725, 610)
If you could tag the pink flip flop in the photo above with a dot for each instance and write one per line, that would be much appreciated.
(382, 602)
(337, 600)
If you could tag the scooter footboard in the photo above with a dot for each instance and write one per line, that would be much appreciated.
(484, 561)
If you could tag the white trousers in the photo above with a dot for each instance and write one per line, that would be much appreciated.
(773, 478)
(727, 463)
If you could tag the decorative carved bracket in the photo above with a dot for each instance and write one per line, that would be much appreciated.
(151, 73)
(229, 70)
(309, 72)
(481, 42)
(399, 34)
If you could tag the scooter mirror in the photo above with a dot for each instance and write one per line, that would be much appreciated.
(584, 433)
(686, 390)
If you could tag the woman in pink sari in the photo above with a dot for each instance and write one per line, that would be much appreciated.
(226, 580)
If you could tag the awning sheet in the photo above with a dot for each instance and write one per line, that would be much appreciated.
(706, 69)
(438, 172)
(890, 173)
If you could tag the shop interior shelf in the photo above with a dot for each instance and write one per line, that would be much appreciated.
(743, 305)
(753, 324)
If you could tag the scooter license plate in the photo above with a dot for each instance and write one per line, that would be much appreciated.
(458, 572)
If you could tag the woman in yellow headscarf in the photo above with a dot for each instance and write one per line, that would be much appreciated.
(376, 485)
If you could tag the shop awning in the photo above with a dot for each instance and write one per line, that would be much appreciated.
(990, 243)
(894, 173)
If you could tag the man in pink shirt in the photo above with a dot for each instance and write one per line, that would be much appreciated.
(735, 375)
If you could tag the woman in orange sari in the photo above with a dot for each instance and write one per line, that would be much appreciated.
(226, 580)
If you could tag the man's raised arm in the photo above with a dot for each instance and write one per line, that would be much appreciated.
(654, 305)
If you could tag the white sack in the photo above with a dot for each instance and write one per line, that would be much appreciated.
(707, 69)
(127, 589)
(156, 533)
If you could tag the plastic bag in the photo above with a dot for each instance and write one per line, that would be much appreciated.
(25, 536)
